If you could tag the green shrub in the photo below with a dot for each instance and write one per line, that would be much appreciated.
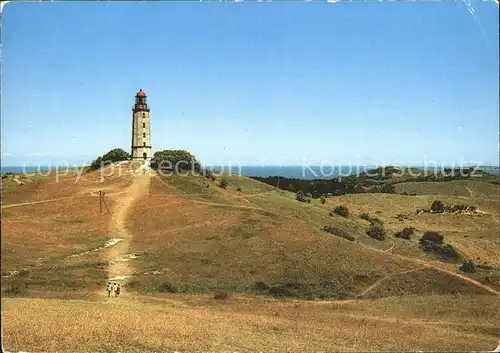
(322, 200)
(376, 231)
(238, 189)
(177, 160)
(15, 288)
(468, 267)
(406, 233)
(460, 208)
(224, 182)
(300, 196)
(433, 242)
(338, 232)
(365, 216)
(437, 206)
(434, 237)
(446, 252)
(113, 156)
(370, 219)
(341, 210)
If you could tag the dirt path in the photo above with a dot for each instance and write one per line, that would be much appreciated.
(228, 205)
(120, 271)
(471, 194)
(430, 265)
(43, 201)
(386, 278)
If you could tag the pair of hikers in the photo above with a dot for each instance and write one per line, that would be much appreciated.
(113, 288)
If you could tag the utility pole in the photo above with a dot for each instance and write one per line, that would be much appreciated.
(202, 181)
(103, 200)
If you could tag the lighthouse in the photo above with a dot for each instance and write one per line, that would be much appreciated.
(141, 130)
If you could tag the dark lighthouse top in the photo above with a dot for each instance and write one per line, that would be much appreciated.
(141, 103)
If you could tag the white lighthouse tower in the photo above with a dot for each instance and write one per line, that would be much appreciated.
(141, 130)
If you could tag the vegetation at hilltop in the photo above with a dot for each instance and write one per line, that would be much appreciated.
(178, 161)
(113, 156)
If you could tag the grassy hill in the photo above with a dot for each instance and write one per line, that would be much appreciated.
(174, 241)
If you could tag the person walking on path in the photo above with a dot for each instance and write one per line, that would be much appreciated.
(117, 290)
(109, 288)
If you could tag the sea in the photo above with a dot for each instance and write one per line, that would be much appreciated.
(296, 172)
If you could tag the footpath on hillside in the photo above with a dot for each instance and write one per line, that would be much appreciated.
(119, 269)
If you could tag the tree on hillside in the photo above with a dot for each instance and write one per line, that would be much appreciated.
(341, 210)
(113, 156)
(437, 206)
(116, 155)
(224, 182)
(434, 237)
(376, 231)
(176, 160)
(300, 196)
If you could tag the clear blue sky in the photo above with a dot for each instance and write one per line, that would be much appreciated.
(253, 83)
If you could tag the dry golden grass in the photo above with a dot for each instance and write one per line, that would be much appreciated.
(206, 239)
(51, 231)
(204, 247)
(38, 238)
(197, 323)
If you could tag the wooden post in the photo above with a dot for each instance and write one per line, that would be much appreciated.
(103, 200)
(100, 201)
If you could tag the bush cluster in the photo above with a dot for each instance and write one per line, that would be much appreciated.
(434, 242)
(376, 231)
(460, 208)
(439, 207)
(406, 233)
(370, 219)
(341, 210)
(434, 237)
(301, 197)
(224, 182)
(468, 267)
(113, 156)
(338, 232)
(176, 160)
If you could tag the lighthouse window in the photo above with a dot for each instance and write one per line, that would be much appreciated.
(143, 124)
(143, 134)
(144, 144)
(143, 115)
